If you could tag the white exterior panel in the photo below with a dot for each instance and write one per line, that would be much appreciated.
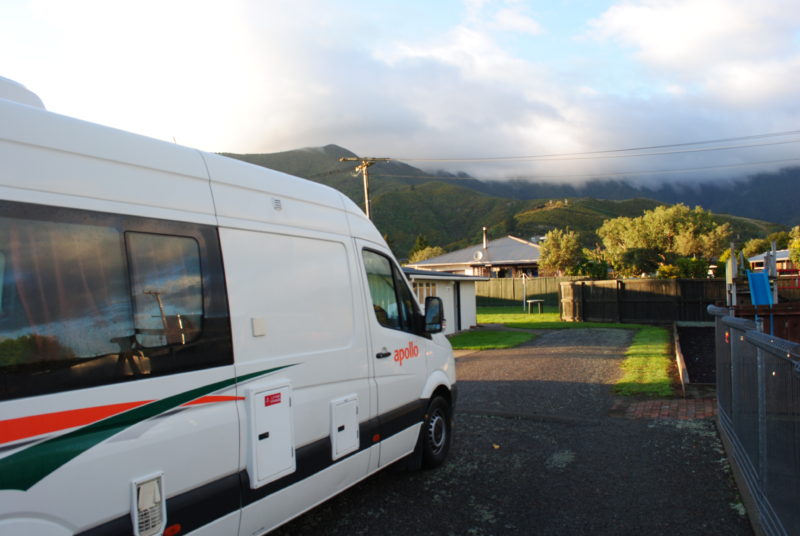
(82, 165)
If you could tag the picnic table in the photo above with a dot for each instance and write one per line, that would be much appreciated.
(538, 304)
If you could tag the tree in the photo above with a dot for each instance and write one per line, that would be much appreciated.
(510, 224)
(754, 246)
(668, 271)
(638, 261)
(389, 242)
(420, 243)
(692, 268)
(561, 251)
(592, 268)
(781, 239)
(659, 236)
(794, 246)
(425, 254)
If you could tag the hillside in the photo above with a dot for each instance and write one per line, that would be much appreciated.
(764, 196)
(451, 210)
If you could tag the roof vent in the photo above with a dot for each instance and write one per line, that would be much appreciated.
(276, 204)
(14, 91)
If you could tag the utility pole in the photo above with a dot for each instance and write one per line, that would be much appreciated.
(363, 167)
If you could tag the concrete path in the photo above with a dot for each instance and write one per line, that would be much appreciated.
(543, 447)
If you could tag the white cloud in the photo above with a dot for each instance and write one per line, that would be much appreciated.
(737, 50)
(252, 76)
(510, 19)
(675, 89)
(691, 34)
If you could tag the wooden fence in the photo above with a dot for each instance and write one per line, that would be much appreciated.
(641, 300)
(508, 290)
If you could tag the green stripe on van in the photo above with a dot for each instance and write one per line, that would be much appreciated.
(25, 468)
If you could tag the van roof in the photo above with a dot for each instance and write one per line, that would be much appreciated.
(101, 168)
(14, 91)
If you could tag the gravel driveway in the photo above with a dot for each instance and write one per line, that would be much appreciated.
(538, 452)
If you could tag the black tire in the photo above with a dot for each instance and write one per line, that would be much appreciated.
(437, 433)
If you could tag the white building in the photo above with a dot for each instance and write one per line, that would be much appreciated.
(504, 257)
(456, 291)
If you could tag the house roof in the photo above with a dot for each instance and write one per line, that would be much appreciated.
(506, 250)
(781, 254)
(443, 276)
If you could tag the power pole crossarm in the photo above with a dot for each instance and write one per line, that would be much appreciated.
(363, 168)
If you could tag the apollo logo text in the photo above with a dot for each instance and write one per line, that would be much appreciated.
(410, 351)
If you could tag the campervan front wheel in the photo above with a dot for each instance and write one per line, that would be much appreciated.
(436, 432)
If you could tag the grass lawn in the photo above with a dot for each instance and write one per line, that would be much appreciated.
(489, 340)
(647, 364)
(648, 361)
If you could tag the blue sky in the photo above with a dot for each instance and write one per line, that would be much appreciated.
(417, 79)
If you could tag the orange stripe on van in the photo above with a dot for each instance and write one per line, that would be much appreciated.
(24, 427)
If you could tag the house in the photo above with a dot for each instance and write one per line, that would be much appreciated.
(504, 257)
(456, 291)
(782, 261)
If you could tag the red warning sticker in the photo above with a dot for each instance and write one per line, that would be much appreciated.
(271, 400)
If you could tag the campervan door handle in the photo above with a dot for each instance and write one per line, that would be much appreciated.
(384, 353)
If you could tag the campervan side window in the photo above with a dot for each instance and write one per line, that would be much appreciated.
(167, 289)
(392, 301)
(2, 279)
(90, 298)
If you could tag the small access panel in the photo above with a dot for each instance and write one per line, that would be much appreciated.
(344, 426)
(271, 453)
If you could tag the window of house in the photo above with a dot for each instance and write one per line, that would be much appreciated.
(424, 289)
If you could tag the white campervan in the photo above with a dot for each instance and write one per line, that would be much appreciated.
(192, 344)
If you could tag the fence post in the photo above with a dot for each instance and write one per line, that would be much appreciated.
(620, 290)
(581, 313)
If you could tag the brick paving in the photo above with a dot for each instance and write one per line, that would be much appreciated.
(680, 409)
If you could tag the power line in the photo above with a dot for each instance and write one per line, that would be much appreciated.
(598, 156)
(602, 174)
(328, 173)
(567, 156)
(588, 155)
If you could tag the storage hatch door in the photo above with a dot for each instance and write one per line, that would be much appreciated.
(344, 426)
(271, 434)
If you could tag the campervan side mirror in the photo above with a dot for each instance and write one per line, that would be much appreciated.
(434, 318)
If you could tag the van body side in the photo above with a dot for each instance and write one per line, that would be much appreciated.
(194, 344)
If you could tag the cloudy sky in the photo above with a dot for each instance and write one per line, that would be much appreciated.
(474, 81)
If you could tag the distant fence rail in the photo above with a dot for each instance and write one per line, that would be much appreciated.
(758, 399)
(640, 300)
(517, 289)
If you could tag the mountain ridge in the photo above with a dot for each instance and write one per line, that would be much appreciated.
(450, 209)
